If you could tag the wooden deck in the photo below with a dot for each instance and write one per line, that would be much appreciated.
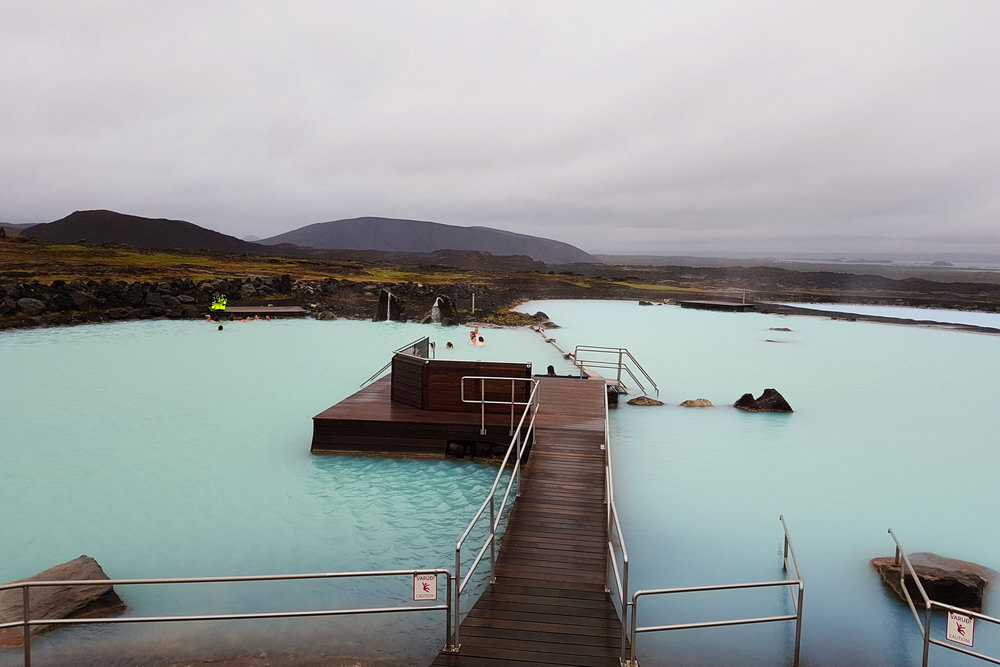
(368, 422)
(730, 306)
(548, 605)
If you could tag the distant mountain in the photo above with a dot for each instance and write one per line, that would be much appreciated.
(111, 227)
(15, 228)
(416, 236)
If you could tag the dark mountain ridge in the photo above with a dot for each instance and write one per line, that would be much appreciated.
(419, 236)
(102, 226)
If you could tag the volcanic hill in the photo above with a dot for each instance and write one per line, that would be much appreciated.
(417, 236)
(110, 227)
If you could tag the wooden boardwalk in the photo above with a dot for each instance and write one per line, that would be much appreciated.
(548, 605)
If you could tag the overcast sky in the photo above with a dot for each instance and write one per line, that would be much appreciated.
(657, 127)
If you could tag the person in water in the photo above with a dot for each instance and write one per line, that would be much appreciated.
(551, 370)
(449, 346)
(481, 341)
(220, 327)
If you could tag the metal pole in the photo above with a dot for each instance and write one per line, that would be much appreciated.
(625, 604)
(26, 616)
(493, 539)
(473, 303)
(619, 366)
(927, 635)
(519, 448)
(511, 431)
(456, 641)
(798, 626)
(631, 646)
(448, 636)
(482, 407)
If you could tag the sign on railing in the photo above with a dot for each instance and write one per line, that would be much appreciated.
(960, 630)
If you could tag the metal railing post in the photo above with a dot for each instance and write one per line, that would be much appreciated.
(449, 637)
(519, 448)
(625, 604)
(493, 539)
(631, 645)
(26, 617)
(511, 431)
(798, 625)
(927, 635)
(456, 639)
(619, 366)
(482, 407)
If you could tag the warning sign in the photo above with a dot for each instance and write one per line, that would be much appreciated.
(961, 628)
(425, 587)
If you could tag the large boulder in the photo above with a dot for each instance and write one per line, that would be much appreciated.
(31, 306)
(955, 582)
(59, 601)
(390, 307)
(444, 309)
(769, 401)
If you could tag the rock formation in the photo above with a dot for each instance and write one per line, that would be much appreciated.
(389, 307)
(644, 400)
(59, 601)
(955, 582)
(697, 403)
(769, 401)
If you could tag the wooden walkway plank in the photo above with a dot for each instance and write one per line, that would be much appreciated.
(548, 605)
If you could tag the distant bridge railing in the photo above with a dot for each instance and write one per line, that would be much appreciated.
(421, 347)
(618, 359)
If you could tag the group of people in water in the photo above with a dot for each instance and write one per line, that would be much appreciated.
(474, 339)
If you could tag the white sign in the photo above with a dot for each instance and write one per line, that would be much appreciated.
(425, 587)
(961, 628)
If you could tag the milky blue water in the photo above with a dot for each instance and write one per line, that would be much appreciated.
(169, 449)
(930, 314)
(894, 427)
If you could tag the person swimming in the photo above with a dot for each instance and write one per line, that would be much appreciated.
(449, 345)
(481, 341)
(220, 327)
(551, 370)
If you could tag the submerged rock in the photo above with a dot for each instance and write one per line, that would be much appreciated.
(769, 401)
(697, 403)
(644, 400)
(955, 582)
(779, 329)
(59, 601)
(645, 303)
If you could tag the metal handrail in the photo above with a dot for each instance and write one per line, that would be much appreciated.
(517, 444)
(901, 559)
(620, 365)
(27, 622)
(482, 397)
(402, 350)
(615, 529)
(789, 553)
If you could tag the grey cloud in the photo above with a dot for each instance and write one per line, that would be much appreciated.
(643, 126)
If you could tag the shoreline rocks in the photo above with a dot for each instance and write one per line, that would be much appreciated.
(644, 400)
(697, 403)
(59, 601)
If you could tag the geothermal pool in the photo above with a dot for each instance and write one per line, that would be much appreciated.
(894, 427)
(171, 449)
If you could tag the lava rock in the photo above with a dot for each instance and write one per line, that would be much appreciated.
(31, 306)
(769, 401)
(779, 329)
(325, 315)
(644, 400)
(645, 303)
(697, 403)
(539, 316)
(955, 582)
(60, 601)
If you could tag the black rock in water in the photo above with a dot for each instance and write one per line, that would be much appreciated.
(769, 401)
(955, 582)
(60, 601)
